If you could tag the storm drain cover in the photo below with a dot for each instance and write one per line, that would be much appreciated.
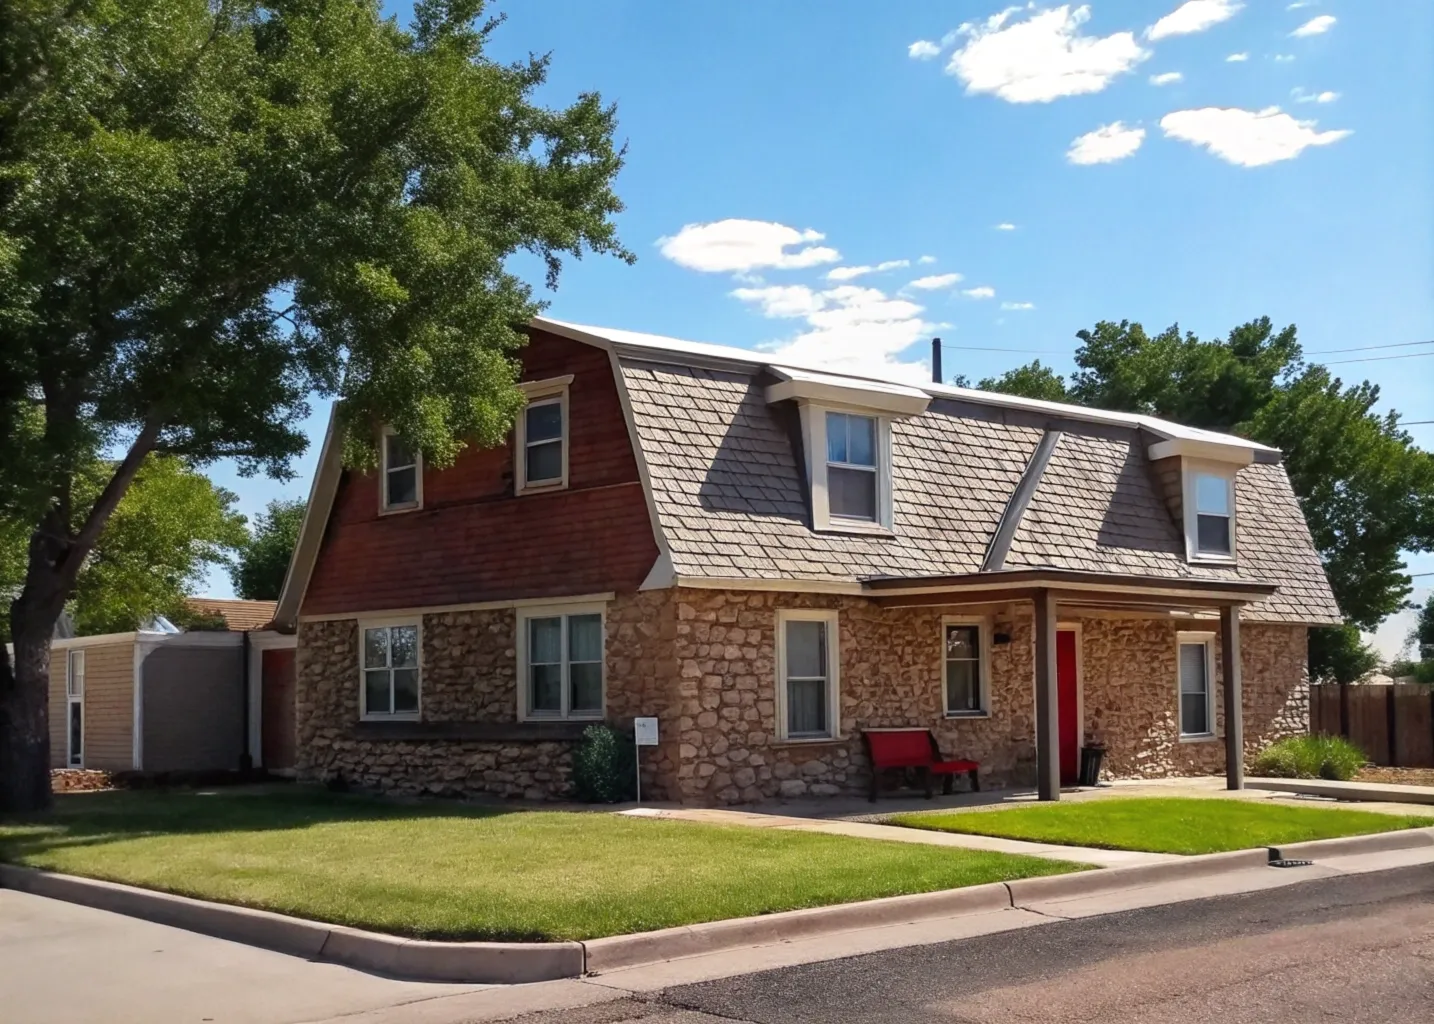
(1290, 862)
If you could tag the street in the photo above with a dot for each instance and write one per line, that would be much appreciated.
(1359, 948)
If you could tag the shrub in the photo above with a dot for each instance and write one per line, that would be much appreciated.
(603, 768)
(1310, 757)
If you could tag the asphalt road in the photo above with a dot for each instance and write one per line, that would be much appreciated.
(1353, 949)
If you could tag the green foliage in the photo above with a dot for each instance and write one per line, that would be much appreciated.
(1031, 381)
(258, 575)
(1422, 636)
(171, 526)
(1338, 654)
(1421, 671)
(604, 771)
(1309, 757)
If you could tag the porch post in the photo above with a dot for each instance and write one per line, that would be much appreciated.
(1048, 761)
(1234, 700)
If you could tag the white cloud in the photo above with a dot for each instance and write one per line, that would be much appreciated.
(1166, 78)
(923, 49)
(1302, 95)
(927, 259)
(1315, 26)
(1247, 138)
(782, 300)
(1193, 16)
(934, 282)
(1298, 4)
(1041, 57)
(1284, 58)
(1018, 305)
(982, 292)
(851, 273)
(1107, 144)
(736, 245)
(1005, 226)
(863, 330)
(1237, 58)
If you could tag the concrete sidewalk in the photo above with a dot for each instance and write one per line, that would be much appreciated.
(900, 834)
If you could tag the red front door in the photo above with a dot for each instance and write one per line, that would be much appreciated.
(277, 708)
(1068, 693)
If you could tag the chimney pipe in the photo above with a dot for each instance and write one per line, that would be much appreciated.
(936, 361)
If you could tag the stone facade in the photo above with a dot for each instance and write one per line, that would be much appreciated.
(704, 662)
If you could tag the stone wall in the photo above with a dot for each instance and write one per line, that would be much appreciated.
(469, 674)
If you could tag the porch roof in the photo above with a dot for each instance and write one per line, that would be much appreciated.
(1068, 587)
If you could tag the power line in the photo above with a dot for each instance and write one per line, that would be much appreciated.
(1379, 359)
(1366, 348)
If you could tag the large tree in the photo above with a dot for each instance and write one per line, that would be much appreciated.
(210, 209)
(258, 573)
(1366, 490)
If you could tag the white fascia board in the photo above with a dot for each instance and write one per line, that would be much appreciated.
(1221, 450)
(845, 392)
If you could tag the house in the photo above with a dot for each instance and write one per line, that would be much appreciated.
(770, 559)
(156, 699)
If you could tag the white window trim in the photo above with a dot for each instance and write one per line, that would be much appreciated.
(384, 507)
(833, 634)
(1208, 641)
(554, 611)
(814, 440)
(540, 392)
(983, 664)
(72, 699)
(384, 716)
(1191, 469)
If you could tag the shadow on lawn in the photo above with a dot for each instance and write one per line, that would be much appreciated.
(95, 819)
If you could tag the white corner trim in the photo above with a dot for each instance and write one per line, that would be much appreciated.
(832, 618)
(1227, 452)
(661, 575)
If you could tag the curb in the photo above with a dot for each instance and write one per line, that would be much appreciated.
(1377, 792)
(418, 960)
(691, 940)
(1089, 883)
(1377, 842)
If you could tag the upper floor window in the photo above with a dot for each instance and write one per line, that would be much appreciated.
(390, 671)
(1210, 514)
(541, 455)
(402, 475)
(852, 470)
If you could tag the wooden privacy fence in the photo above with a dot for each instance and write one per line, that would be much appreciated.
(1393, 725)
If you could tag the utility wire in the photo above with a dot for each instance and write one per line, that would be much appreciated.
(1378, 359)
(1366, 348)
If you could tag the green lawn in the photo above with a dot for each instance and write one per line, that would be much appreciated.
(442, 870)
(1165, 825)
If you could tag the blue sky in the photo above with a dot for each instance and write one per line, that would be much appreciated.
(835, 136)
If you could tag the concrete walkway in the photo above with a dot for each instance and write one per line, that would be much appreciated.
(1365, 792)
(899, 834)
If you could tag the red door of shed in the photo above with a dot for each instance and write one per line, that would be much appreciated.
(277, 708)
(1068, 694)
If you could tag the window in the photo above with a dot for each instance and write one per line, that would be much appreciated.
(807, 673)
(75, 709)
(964, 667)
(1210, 514)
(390, 671)
(402, 475)
(852, 483)
(1197, 703)
(541, 435)
(562, 664)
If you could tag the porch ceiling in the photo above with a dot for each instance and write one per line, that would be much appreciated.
(1070, 588)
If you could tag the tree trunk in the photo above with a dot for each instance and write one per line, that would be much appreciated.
(25, 721)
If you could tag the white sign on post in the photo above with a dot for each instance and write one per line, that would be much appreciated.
(644, 734)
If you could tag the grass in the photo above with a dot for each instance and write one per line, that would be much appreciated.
(1165, 825)
(451, 871)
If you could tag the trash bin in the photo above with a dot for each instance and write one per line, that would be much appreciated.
(1090, 760)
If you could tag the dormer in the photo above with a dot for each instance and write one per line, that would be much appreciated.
(846, 439)
(1197, 476)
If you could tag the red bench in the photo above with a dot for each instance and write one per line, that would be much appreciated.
(916, 749)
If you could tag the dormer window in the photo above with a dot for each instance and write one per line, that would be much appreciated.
(541, 449)
(402, 476)
(852, 470)
(1210, 512)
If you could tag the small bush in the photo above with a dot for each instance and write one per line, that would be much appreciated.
(1310, 757)
(603, 768)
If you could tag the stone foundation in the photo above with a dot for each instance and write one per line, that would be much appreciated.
(704, 663)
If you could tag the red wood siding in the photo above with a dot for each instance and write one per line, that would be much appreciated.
(474, 541)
